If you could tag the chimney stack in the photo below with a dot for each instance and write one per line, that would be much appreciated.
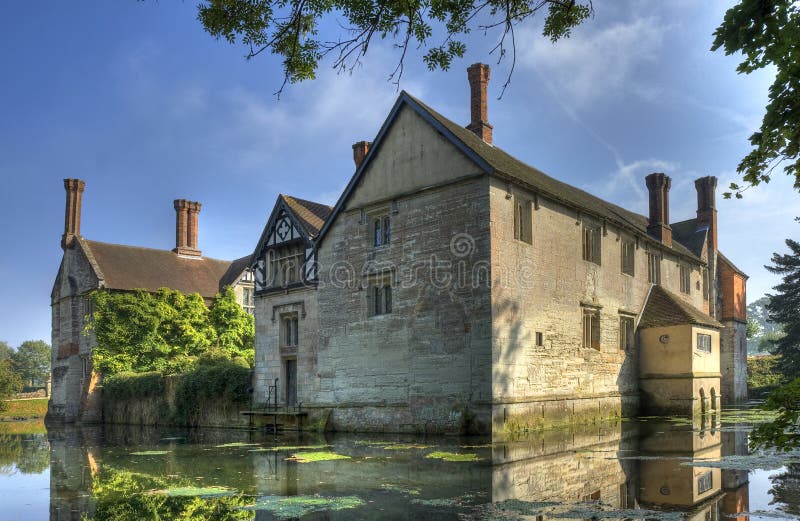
(707, 207)
(478, 76)
(360, 151)
(72, 216)
(186, 213)
(658, 185)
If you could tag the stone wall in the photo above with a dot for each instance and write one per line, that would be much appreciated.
(733, 361)
(426, 365)
(539, 288)
(71, 354)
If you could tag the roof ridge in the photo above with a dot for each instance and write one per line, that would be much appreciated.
(203, 257)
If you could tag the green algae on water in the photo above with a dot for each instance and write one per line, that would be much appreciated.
(452, 456)
(213, 491)
(402, 489)
(406, 446)
(310, 457)
(748, 462)
(235, 444)
(297, 506)
(150, 453)
(289, 448)
(581, 511)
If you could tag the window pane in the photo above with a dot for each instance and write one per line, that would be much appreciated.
(387, 294)
(378, 236)
(376, 298)
(295, 336)
(387, 230)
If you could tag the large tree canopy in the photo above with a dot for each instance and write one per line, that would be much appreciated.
(32, 362)
(784, 308)
(166, 331)
(298, 30)
(767, 32)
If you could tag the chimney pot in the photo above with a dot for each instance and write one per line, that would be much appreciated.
(360, 151)
(658, 186)
(478, 76)
(707, 207)
(72, 214)
(186, 227)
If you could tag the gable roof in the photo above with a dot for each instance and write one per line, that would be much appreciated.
(663, 308)
(234, 271)
(687, 233)
(495, 161)
(131, 267)
(727, 261)
(312, 216)
(308, 215)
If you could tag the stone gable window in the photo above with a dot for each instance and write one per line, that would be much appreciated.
(627, 333)
(523, 221)
(686, 279)
(591, 328)
(703, 343)
(248, 300)
(627, 253)
(285, 265)
(654, 268)
(591, 242)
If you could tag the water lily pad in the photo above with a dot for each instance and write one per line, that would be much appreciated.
(452, 456)
(402, 489)
(235, 444)
(309, 457)
(151, 453)
(749, 462)
(406, 446)
(194, 492)
(298, 506)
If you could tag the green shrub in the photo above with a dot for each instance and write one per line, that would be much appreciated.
(124, 386)
(227, 380)
(763, 375)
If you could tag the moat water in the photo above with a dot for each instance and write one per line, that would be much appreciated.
(649, 468)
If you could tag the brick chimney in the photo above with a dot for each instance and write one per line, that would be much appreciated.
(72, 215)
(186, 213)
(360, 150)
(478, 76)
(707, 207)
(658, 185)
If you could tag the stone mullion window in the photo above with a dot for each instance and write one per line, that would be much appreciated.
(703, 342)
(379, 296)
(627, 333)
(591, 328)
(381, 230)
(285, 265)
(289, 330)
(627, 253)
(591, 242)
(686, 280)
(654, 268)
(523, 221)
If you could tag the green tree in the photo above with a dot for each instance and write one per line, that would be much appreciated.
(301, 34)
(784, 308)
(6, 351)
(235, 328)
(766, 344)
(766, 33)
(32, 362)
(166, 331)
(784, 432)
(10, 383)
(753, 328)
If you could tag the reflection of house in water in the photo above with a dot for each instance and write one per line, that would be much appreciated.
(72, 465)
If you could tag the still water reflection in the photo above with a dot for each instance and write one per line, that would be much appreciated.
(654, 468)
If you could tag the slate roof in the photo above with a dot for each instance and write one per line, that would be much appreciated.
(663, 308)
(686, 233)
(312, 216)
(132, 267)
(504, 164)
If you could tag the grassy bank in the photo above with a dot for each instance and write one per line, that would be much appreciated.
(31, 409)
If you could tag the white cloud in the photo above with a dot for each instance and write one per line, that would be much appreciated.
(595, 63)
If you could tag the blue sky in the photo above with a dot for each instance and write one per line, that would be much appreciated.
(137, 100)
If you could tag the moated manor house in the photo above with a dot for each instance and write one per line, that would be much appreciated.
(453, 288)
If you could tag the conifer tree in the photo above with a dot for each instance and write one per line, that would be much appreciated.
(784, 308)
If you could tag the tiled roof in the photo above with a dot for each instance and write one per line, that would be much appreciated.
(505, 164)
(666, 309)
(310, 214)
(131, 267)
(234, 271)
